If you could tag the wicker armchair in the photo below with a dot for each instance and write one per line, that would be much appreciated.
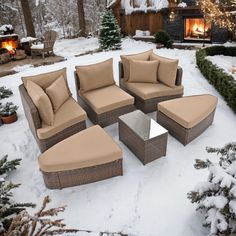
(47, 45)
(71, 126)
(150, 104)
(103, 104)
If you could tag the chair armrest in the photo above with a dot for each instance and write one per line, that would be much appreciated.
(31, 112)
(121, 70)
(77, 84)
(179, 76)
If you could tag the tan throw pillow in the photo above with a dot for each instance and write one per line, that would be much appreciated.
(95, 76)
(42, 102)
(167, 70)
(58, 93)
(143, 71)
(144, 56)
(46, 79)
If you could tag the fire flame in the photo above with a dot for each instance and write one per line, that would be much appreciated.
(10, 45)
(198, 27)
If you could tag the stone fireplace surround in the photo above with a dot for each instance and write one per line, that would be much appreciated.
(176, 28)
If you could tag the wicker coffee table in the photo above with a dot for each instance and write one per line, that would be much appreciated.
(143, 136)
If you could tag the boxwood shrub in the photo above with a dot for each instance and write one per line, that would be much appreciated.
(223, 82)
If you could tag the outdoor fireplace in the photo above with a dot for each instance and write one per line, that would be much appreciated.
(9, 42)
(197, 29)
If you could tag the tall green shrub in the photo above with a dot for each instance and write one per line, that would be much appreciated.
(223, 82)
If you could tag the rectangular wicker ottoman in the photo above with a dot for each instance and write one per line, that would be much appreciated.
(143, 136)
(88, 156)
(186, 118)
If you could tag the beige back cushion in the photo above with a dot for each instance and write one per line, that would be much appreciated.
(58, 93)
(144, 56)
(95, 76)
(41, 101)
(46, 79)
(143, 71)
(167, 69)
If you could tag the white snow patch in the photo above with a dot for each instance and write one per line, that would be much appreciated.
(21, 68)
(145, 199)
(224, 62)
(215, 201)
(141, 5)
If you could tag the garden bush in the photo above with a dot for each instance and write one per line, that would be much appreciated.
(216, 197)
(164, 38)
(223, 82)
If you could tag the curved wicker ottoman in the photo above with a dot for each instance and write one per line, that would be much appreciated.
(186, 118)
(88, 156)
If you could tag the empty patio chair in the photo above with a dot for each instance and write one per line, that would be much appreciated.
(46, 47)
(148, 82)
(52, 113)
(98, 94)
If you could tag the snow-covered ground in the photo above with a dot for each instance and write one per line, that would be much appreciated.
(147, 200)
(224, 62)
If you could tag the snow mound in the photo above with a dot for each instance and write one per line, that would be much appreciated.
(142, 5)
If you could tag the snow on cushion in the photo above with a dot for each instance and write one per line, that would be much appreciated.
(95, 76)
(37, 46)
(189, 111)
(143, 71)
(58, 93)
(144, 56)
(167, 69)
(80, 151)
(42, 102)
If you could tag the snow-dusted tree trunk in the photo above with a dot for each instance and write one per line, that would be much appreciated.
(28, 18)
(82, 26)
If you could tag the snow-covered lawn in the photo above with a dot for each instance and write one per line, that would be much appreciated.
(147, 200)
(224, 62)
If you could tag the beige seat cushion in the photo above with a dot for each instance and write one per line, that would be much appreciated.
(42, 102)
(58, 93)
(70, 113)
(107, 99)
(148, 90)
(167, 69)
(189, 111)
(143, 71)
(84, 149)
(144, 56)
(46, 79)
(95, 76)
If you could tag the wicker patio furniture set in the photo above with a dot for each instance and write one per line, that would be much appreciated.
(73, 155)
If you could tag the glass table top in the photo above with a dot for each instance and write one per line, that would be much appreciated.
(143, 125)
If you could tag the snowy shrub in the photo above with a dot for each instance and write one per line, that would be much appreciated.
(6, 29)
(163, 37)
(8, 109)
(110, 36)
(223, 82)
(216, 197)
(4, 92)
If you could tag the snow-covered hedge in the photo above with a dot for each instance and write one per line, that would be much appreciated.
(216, 197)
(223, 82)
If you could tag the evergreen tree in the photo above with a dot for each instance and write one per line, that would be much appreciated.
(8, 208)
(110, 36)
(4, 92)
(217, 196)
